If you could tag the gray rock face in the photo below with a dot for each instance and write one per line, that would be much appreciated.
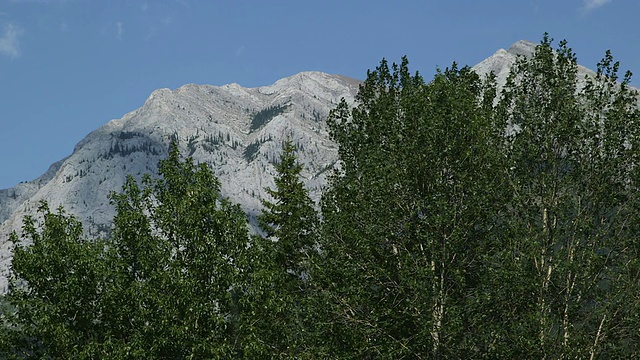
(238, 131)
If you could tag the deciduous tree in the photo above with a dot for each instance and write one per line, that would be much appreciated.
(407, 210)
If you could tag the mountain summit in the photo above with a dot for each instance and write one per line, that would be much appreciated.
(501, 61)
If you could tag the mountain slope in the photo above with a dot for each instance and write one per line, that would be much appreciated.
(237, 130)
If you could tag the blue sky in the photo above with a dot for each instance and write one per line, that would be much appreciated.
(69, 66)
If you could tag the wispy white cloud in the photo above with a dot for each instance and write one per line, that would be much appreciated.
(9, 40)
(589, 5)
(119, 29)
(161, 16)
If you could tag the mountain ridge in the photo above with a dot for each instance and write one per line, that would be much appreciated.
(237, 130)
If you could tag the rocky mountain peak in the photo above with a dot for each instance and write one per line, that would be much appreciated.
(523, 47)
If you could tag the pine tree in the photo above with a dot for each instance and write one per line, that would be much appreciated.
(281, 283)
(290, 220)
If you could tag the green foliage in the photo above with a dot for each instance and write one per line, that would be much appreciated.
(251, 150)
(461, 223)
(443, 238)
(212, 143)
(404, 215)
(281, 291)
(121, 147)
(126, 135)
(174, 138)
(290, 221)
(167, 284)
(54, 289)
(191, 144)
(263, 116)
(568, 252)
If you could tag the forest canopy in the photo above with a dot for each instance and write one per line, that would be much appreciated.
(463, 222)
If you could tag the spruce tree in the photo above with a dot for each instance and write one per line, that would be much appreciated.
(290, 220)
(281, 283)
